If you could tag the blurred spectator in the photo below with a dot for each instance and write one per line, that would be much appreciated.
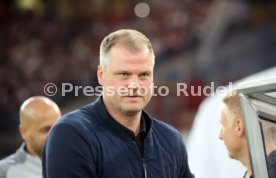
(37, 115)
(41, 49)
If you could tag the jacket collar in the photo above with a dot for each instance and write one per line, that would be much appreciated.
(118, 128)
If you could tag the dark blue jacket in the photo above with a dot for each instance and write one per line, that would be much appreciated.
(88, 143)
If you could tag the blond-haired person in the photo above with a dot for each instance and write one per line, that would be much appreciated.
(114, 137)
(234, 136)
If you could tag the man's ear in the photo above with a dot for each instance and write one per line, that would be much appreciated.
(240, 127)
(22, 131)
(100, 74)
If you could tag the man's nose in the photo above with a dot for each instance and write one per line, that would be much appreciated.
(134, 85)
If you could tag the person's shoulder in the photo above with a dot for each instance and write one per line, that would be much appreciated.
(82, 119)
(163, 126)
(5, 164)
(17, 157)
(165, 130)
(168, 136)
(9, 161)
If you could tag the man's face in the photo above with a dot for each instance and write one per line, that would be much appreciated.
(127, 80)
(37, 132)
(229, 134)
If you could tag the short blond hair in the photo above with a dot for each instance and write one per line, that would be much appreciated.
(233, 104)
(130, 39)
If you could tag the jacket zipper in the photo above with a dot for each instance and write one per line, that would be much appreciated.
(144, 165)
(145, 169)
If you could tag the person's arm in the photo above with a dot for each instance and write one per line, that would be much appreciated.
(68, 153)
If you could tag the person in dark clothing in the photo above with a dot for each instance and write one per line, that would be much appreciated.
(269, 131)
(114, 137)
(271, 161)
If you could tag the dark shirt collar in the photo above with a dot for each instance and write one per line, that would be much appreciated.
(130, 133)
(118, 128)
(143, 126)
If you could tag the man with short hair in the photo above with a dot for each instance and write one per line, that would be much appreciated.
(37, 115)
(204, 133)
(114, 137)
(234, 136)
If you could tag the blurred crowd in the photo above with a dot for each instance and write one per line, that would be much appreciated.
(61, 44)
(38, 49)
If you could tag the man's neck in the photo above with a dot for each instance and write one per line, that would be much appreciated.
(129, 120)
(246, 162)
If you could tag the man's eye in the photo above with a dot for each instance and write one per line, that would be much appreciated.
(144, 75)
(123, 74)
(45, 129)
